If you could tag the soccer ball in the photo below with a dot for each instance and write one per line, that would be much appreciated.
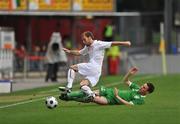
(51, 102)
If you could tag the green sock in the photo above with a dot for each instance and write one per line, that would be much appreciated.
(76, 94)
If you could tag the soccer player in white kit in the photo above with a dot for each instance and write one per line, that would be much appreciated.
(92, 69)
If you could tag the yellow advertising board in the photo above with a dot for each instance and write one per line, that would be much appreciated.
(93, 5)
(58, 5)
(13, 4)
(54, 5)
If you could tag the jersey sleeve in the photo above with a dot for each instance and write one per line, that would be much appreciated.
(134, 86)
(137, 102)
(84, 51)
(104, 44)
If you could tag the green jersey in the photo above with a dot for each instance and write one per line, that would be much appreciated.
(132, 95)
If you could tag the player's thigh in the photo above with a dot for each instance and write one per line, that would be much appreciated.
(74, 67)
(84, 82)
(100, 100)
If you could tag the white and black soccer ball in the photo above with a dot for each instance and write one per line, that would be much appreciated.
(51, 102)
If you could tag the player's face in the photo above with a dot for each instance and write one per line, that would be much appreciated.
(144, 89)
(86, 40)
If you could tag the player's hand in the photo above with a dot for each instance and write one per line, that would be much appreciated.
(128, 43)
(115, 91)
(66, 50)
(133, 70)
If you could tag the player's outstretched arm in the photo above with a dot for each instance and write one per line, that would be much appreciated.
(121, 43)
(73, 52)
(131, 72)
(119, 98)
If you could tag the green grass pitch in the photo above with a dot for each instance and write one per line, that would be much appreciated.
(161, 107)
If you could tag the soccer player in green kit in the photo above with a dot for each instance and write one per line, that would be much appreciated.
(113, 96)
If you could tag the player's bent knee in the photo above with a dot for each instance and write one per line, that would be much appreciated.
(84, 82)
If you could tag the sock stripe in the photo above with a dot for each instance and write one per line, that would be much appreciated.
(70, 74)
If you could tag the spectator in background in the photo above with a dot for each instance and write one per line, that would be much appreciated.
(113, 55)
(35, 59)
(20, 53)
(68, 42)
(43, 50)
(54, 56)
(108, 32)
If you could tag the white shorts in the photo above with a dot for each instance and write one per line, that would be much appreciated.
(91, 72)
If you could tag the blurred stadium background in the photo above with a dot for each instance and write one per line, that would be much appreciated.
(26, 27)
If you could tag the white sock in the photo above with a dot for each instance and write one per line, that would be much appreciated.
(87, 90)
(70, 78)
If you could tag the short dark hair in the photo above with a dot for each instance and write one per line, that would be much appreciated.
(89, 34)
(150, 87)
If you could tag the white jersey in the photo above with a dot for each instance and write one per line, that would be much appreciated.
(92, 69)
(96, 52)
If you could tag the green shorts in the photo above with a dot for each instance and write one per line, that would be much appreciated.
(108, 93)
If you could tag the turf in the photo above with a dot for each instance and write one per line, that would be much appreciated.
(162, 107)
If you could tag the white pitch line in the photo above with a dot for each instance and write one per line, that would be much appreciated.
(30, 101)
(20, 103)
